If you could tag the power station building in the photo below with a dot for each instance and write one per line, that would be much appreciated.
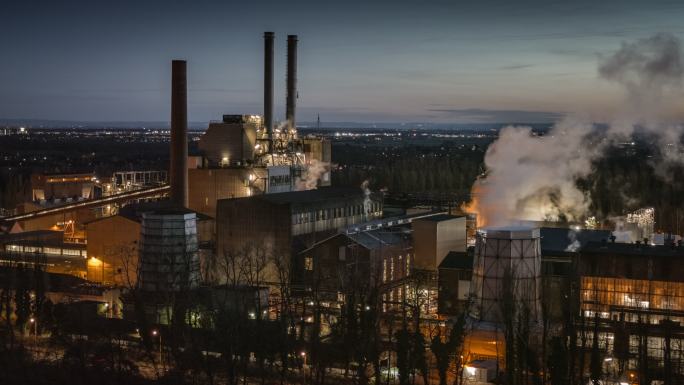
(284, 223)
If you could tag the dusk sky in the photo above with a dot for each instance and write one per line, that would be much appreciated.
(359, 60)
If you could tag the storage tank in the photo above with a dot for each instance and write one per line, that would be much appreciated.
(507, 260)
(169, 253)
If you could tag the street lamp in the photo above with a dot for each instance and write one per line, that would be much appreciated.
(161, 352)
(303, 354)
(34, 323)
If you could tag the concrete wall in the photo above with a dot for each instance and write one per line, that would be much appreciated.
(244, 224)
(206, 186)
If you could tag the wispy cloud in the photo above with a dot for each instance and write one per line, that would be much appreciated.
(516, 67)
(481, 115)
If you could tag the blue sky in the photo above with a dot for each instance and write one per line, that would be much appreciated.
(368, 61)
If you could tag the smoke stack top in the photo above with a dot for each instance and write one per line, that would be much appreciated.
(179, 134)
(291, 102)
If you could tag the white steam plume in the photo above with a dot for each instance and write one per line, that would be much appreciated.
(366, 198)
(535, 178)
(314, 172)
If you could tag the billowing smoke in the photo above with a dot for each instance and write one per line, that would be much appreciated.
(314, 172)
(533, 177)
(574, 242)
(647, 69)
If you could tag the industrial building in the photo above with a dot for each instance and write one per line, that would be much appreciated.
(246, 155)
(114, 241)
(357, 261)
(381, 255)
(285, 223)
(47, 249)
(636, 293)
(66, 187)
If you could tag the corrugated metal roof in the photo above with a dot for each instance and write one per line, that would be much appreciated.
(376, 239)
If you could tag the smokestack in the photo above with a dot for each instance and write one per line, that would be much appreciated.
(268, 86)
(179, 134)
(291, 80)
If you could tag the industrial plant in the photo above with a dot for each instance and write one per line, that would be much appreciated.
(245, 251)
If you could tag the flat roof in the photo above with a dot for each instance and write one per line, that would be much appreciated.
(134, 211)
(307, 196)
(440, 218)
(558, 240)
(632, 249)
(510, 232)
(376, 239)
(56, 243)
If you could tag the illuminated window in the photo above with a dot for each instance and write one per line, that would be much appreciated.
(384, 270)
(308, 263)
(391, 268)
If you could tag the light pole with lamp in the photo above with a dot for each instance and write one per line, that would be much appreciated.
(161, 353)
(303, 354)
(34, 323)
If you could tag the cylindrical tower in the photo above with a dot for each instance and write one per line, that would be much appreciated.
(507, 267)
(291, 104)
(178, 174)
(169, 256)
(268, 85)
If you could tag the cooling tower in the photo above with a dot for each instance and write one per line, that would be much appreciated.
(507, 261)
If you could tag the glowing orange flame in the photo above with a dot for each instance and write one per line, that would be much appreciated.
(475, 205)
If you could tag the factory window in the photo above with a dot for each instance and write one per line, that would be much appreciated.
(391, 268)
(53, 250)
(384, 270)
(308, 263)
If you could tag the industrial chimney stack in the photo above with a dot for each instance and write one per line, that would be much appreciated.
(291, 102)
(179, 135)
(268, 86)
